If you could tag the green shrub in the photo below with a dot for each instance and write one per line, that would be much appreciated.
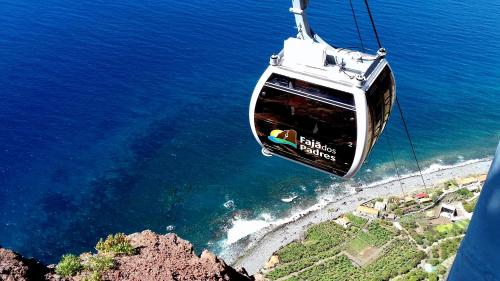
(435, 252)
(416, 275)
(376, 236)
(433, 277)
(409, 222)
(358, 221)
(434, 262)
(450, 183)
(449, 247)
(319, 238)
(115, 244)
(391, 207)
(470, 206)
(100, 263)
(69, 265)
(465, 193)
(94, 276)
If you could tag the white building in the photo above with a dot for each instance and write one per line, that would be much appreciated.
(448, 211)
(380, 206)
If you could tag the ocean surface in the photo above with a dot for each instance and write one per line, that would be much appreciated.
(120, 116)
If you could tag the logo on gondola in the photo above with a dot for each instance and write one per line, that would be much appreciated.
(288, 137)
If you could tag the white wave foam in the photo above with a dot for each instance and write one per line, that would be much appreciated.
(229, 204)
(289, 199)
(242, 228)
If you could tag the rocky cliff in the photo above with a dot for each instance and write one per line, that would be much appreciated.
(157, 257)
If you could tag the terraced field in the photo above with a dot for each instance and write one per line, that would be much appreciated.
(329, 252)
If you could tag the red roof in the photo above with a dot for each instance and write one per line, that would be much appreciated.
(421, 195)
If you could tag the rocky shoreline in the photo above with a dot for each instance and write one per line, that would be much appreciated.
(157, 257)
(168, 257)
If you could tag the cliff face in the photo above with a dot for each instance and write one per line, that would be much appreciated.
(158, 257)
(13, 267)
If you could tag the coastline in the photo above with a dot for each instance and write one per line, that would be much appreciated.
(254, 250)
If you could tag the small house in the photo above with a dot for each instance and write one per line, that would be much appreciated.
(466, 181)
(380, 206)
(367, 212)
(473, 187)
(448, 211)
(421, 195)
(343, 221)
(391, 216)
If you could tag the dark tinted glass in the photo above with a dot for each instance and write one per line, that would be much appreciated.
(379, 99)
(306, 88)
(304, 128)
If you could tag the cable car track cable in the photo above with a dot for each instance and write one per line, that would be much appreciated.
(397, 100)
(411, 143)
(395, 166)
(373, 24)
(357, 26)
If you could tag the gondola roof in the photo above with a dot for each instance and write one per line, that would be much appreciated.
(342, 66)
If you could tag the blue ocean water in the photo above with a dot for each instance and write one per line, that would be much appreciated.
(119, 116)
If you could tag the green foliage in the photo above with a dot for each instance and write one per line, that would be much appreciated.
(355, 220)
(465, 193)
(380, 199)
(386, 223)
(391, 207)
(433, 262)
(470, 206)
(416, 275)
(400, 257)
(435, 196)
(449, 247)
(319, 238)
(375, 236)
(409, 222)
(418, 238)
(94, 276)
(435, 252)
(450, 183)
(339, 268)
(326, 241)
(432, 277)
(69, 265)
(431, 235)
(452, 229)
(322, 241)
(398, 212)
(286, 269)
(115, 244)
(441, 270)
(100, 263)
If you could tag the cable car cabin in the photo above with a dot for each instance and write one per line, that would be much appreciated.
(321, 106)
